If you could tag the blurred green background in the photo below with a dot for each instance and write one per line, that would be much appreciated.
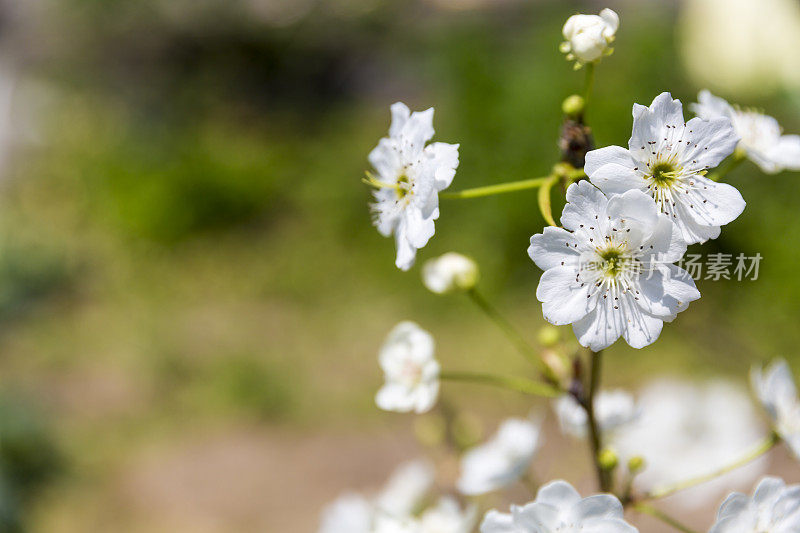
(191, 293)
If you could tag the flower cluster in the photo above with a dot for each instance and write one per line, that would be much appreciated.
(611, 269)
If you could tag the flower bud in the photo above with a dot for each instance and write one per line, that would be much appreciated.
(636, 464)
(548, 336)
(450, 272)
(608, 459)
(588, 36)
(573, 105)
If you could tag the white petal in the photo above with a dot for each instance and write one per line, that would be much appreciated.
(552, 248)
(385, 159)
(602, 506)
(666, 292)
(443, 158)
(564, 300)
(400, 114)
(586, 203)
(787, 152)
(496, 522)
(667, 110)
(640, 329)
(600, 328)
(418, 228)
(611, 172)
(723, 203)
(611, 18)
(610, 155)
(559, 494)
(417, 130)
(709, 141)
(709, 106)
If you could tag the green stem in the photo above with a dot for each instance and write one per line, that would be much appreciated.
(511, 332)
(523, 385)
(500, 188)
(735, 161)
(595, 436)
(588, 85)
(759, 450)
(664, 517)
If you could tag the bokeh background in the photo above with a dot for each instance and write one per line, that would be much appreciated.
(191, 293)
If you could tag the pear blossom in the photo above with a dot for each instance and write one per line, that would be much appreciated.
(612, 410)
(588, 37)
(685, 430)
(411, 372)
(410, 175)
(762, 138)
(449, 272)
(609, 270)
(350, 513)
(558, 508)
(448, 517)
(668, 158)
(775, 389)
(406, 488)
(502, 460)
(389, 511)
(774, 508)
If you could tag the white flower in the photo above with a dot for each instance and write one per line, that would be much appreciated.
(406, 488)
(410, 176)
(558, 508)
(450, 272)
(776, 391)
(502, 460)
(389, 511)
(350, 513)
(588, 36)
(667, 158)
(609, 271)
(684, 430)
(612, 409)
(762, 137)
(774, 508)
(411, 372)
(448, 517)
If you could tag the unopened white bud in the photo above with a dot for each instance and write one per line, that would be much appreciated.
(450, 272)
(588, 37)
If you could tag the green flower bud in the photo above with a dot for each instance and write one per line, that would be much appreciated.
(573, 105)
(608, 459)
(636, 464)
(548, 336)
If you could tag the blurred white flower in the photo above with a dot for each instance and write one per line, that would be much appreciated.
(741, 46)
(448, 517)
(449, 272)
(502, 460)
(774, 508)
(776, 391)
(588, 37)
(667, 158)
(608, 272)
(685, 430)
(390, 511)
(411, 372)
(410, 176)
(406, 488)
(612, 410)
(350, 513)
(762, 137)
(559, 508)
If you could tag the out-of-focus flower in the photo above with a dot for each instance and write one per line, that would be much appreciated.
(391, 510)
(608, 272)
(502, 460)
(350, 513)
(776, 391)
(684, 430)
(741, 46)
(448, 517)
(410, 176)
(406, 488)
(612, 410)
(773, 508)
(450, 272)
(559, 508)
(667, 158)
(411, 372)
(762, 138)
(588, 37)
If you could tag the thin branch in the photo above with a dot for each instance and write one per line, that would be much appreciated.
(499, 188)
(523, 385)
(664, 517)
